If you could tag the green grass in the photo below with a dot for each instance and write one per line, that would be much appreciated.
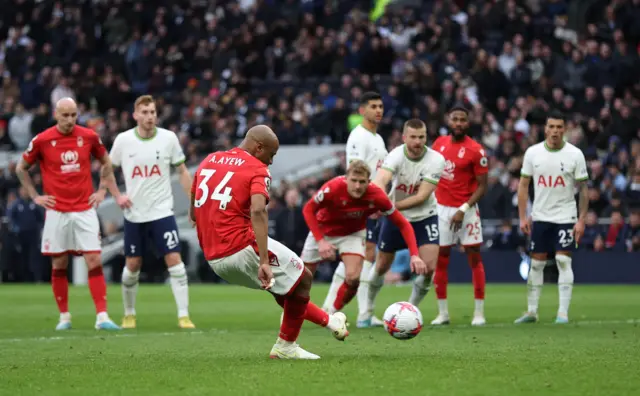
(597, 354)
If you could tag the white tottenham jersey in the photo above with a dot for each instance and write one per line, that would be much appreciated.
(366, 146)
(554, 174)
(408, 174)
(146, 165)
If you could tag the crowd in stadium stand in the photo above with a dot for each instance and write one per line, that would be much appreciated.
(300, 66)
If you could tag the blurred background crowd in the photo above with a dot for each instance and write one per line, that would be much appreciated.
(218, 67)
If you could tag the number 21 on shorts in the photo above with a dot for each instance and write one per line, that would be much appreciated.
(220, 195)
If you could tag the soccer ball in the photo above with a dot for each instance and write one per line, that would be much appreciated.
(402, 320)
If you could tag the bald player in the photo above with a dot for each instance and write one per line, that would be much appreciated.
(71, 225)
(229, 198)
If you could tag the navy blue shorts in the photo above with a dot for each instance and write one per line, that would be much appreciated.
(373, 230)
(551, 237)
(391, 239)
(163, 234)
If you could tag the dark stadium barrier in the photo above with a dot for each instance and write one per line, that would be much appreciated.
(588, 267)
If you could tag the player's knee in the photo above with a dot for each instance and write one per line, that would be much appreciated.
(538, 265)
(383, 263)
(563, 262)
(306, 280)
(431, 264)
(352, 283)
(370, 252)
(133, 263)
(93, 260)
(172, 259)
(474, 258)
(60, 262)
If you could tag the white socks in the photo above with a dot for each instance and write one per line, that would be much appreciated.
(565, 284)
(420, 289)
(534, 284)
(375, 284)
(363, 290)
(180, 288)
(443, 307)
(336, 282)
(129, 290)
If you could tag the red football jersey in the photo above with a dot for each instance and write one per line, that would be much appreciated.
(65, 163)
(222, 187)
(338, 214)
(465, 160)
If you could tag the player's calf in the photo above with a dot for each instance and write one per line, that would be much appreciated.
(130, 280)
(440, 280)
(375, 279)
(422, 283)
(565, 285)
(295, 305)
(349, 288)
(180, 287)
(479, 280)
(535, 281)
(60, 288)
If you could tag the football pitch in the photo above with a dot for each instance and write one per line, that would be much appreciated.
(597, 354)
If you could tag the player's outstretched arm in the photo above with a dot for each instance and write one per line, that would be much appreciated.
(523, 199)
(383, 177)
(424, 192)
(185, 178)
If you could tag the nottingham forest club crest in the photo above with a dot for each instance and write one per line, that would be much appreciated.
(80, 141)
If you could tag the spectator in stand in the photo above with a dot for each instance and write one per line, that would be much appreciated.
(220, 67)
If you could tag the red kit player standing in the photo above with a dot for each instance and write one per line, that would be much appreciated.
(71, 224)
(463, 183)
(337, 217)
(229, 197)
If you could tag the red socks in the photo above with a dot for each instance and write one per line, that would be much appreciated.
(294, 312)
(316, 315)
(98, 288)
(345, 294)
(313, 314)
(477, 273)
(441, 277)
(60, 286)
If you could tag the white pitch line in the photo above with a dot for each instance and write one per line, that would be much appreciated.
(219, 331)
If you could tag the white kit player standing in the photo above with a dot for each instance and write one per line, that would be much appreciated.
(364, 143)
(556, 168)
(146, 154)
(414, 170)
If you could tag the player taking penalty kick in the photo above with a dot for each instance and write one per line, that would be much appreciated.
(229, 199)
(364, 144)
(337, 217)
(146, 154)
(556, 168)
(71, 224)
(463, 183)
(415, 171)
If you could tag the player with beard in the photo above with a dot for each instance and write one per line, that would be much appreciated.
(414, 170)
(364, 144)
(463, 183)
